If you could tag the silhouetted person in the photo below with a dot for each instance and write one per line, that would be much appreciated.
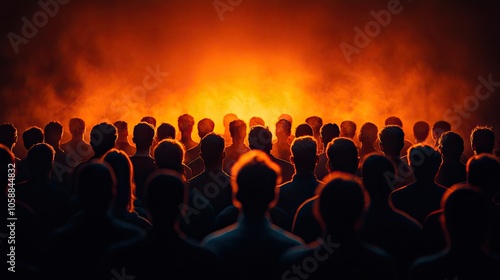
(303, 129)
(144, 165)
(63, 166)
(205, 126)
(367, 137)
(256, 121)
(482, 140)
(251, 248)
(393, 120)
(328, 132)
(200, 216)
(419, 199)
(238, 130)
(391, 142)
(393, 231)
(421, 131)
(439, 128)
(316, 123)
(77, 148)
(338, 253)
(122, 142)
(342, 156)
(165, 131)
(185, 123)
(348, 129)
(260, 138)
(8, 136)
(228, 118)
(451, 171)
(31, 136)
(213, 183)
(149, 119)
(303, 184)
(286, 117)
(465, 223)
(281, 148)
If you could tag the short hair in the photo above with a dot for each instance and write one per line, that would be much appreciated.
(260, 138)
(53, 131)
(165, 131)
(284, 125)
(348, 129)
(40, 158)
(32, 136)
(205, 126)
(228, 118)
(149, 119)
(303, 129)
(421, 131)
(169, 154)
(393, 120)
(375, 167)
(143, 134)
(329, 131)
(392, 139)
(368, 133)
(482, 139)
(483, 171)
(439, 127)
(185, 122)
(424, 160)
(76, 126)
(238, 128)
(103, 137)
(256, 121)
(451, 145)
(304, 151)
(342, 155)
(121, 126)
(8, 134)
(211, 148)
(315, 122)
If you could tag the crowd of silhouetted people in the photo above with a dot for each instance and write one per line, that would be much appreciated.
(324, 201)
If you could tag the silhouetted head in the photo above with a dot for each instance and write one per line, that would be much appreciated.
(169, 154)
(40, 159)
(121, 127)
(304, 156)
(96, 188)
(143, 135)
(283, 129)
(328, 132)
(303, 129)
(254, 183)
(212, 149)
(342, 155)
(32, 136)
(8, 135)
(482, 140)
(425, 162)
(76, 127)
(165, 191)
(149, 119)
(392, 140)
(340, 204)
(228, 118)
(256, 121)
(368, 133)
(165, 131)
(6, 158)
(102, 138)
(451, 146)
(316, 123)
(393, 120)
(483, 171)
(421, 131)
(238, 129)
(376, 169)
(348, 129)
(285, 117)
(205, 126)
(439, 128)
(125, 186)
(53, 133)
(185, 123)
(260, 138)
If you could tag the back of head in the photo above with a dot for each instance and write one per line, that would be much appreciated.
(451, 146)
(421, 131)
(76, 126)
(256, 121)
(165, 131)
(185, 123)
(121, 126)
(205, 126)
(342, 155)
(212, 148)
(392, 139)
(348, 129)
(96, 187)
(368, 133)
(315, 122)
(32, 136)
(6, 158)
(143, 135)
(102, 138)
(8, 135)
(483, 171)
(260, 138)
(283, 128)
(439, 128)
(425, 161)
(255, 182)
(149, 119)
(40, 159)
(482, 140)
(376, 169)
(329, 131)
(393, 120)
(303, 129)
(165, 191)
(169, 154)
(123, 170)
(304, 153)
(53, 132)
(228, 118)
(341, 203)
(238, 129)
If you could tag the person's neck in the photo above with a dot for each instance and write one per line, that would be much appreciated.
(76, 138)
(122, 138)
(237, 142)
(283, 140)
(143, 152)
(186, 137)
